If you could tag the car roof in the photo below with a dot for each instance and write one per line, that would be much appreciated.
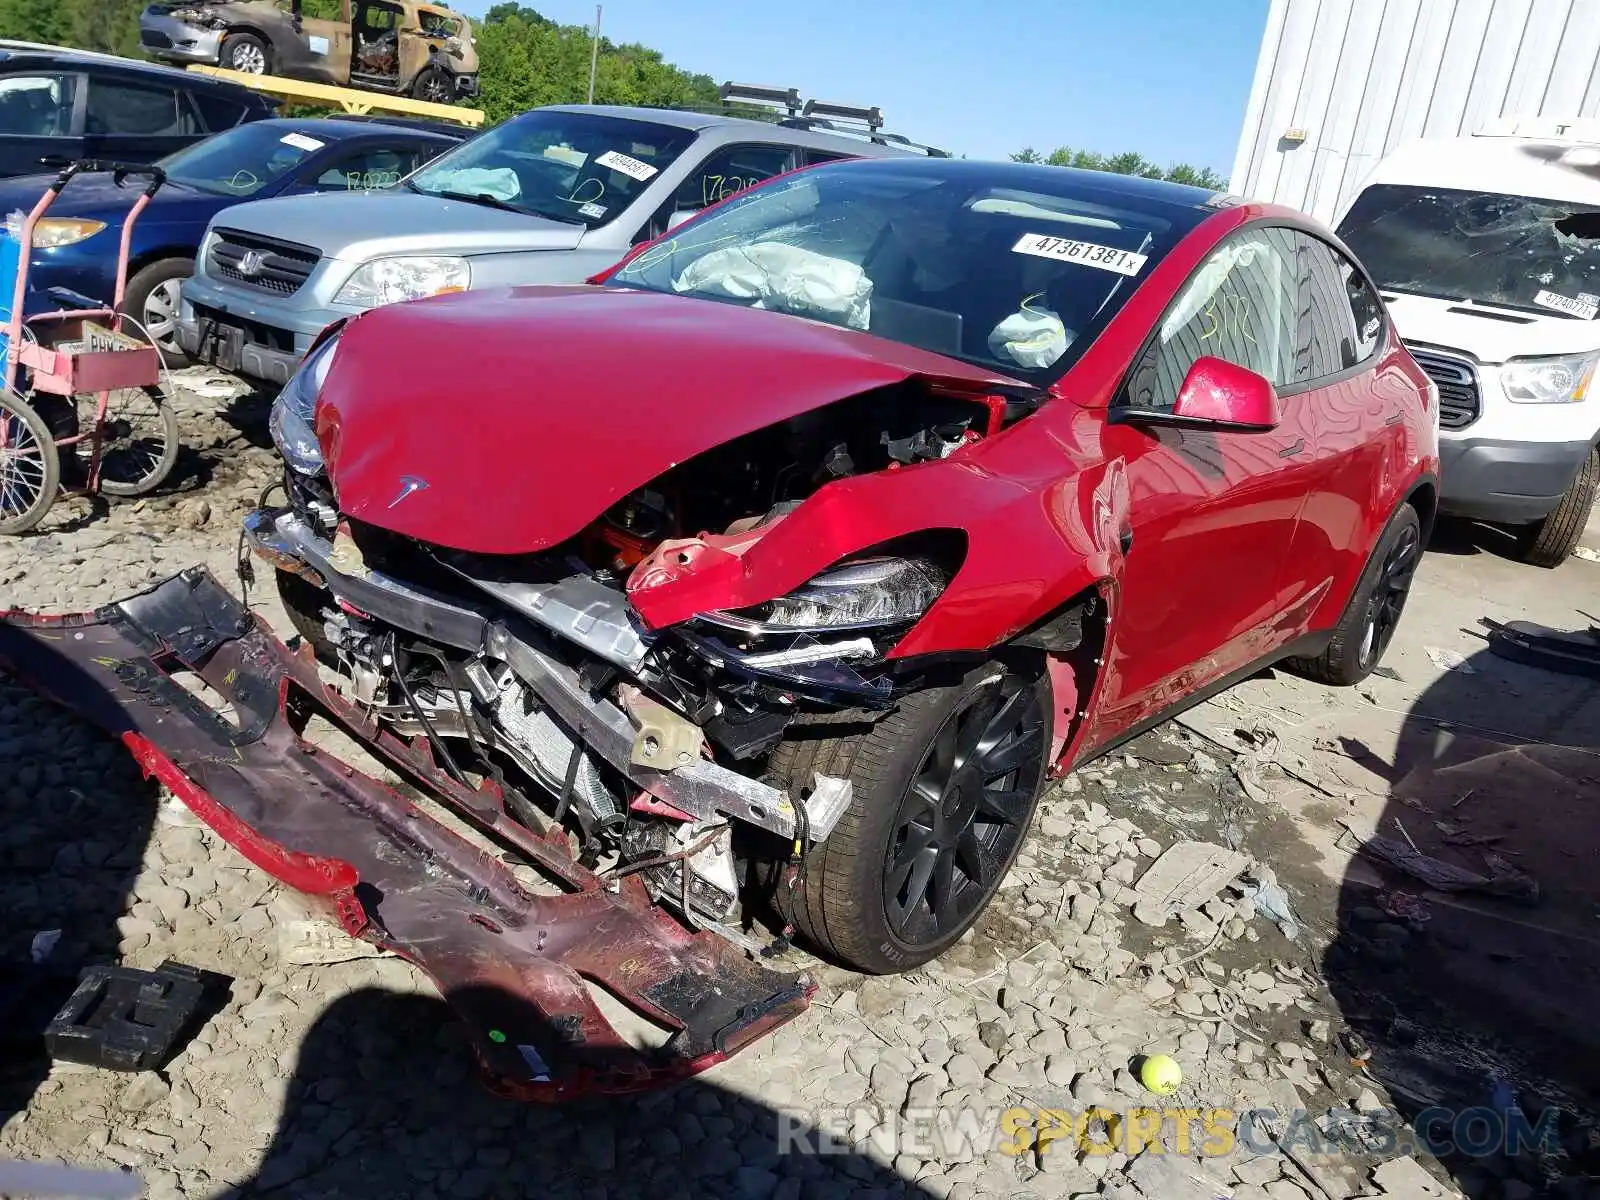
(1183, 205)
(731, 128)
(1548, 168)
(25, 55)
(338, 129)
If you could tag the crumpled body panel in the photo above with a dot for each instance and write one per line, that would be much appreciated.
(513, 964)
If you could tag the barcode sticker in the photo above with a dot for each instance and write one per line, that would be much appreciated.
(630, 167)
(1089, 254)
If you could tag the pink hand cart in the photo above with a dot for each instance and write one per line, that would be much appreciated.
(83, 410)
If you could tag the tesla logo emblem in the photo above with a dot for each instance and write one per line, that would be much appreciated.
(251, 262)
(408, 484)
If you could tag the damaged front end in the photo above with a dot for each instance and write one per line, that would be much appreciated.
(217, 709)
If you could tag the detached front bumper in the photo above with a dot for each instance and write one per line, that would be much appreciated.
(512, 964)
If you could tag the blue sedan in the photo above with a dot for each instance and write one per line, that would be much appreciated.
(75, 246)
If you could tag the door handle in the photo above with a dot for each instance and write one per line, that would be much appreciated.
(1291, 451)
(1394, 420)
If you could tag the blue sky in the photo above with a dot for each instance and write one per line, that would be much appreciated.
(1167, 78)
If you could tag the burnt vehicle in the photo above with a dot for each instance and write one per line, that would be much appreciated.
(765, 579)
(399, 46)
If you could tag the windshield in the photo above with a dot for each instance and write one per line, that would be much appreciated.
(574, 167)
(1008, 278)
(1487, 247)
(242, 161)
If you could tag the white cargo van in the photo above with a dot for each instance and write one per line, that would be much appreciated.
(1487, 249)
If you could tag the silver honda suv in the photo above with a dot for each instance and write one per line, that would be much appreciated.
(552, 196)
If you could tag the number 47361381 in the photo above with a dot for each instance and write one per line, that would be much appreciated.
(1090, 254)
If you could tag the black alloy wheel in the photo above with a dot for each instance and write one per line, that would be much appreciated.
(964, 815)
(1388, 600)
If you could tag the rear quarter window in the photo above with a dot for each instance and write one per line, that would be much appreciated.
(218, 112)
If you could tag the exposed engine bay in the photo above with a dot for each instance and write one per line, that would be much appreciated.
(502, 661)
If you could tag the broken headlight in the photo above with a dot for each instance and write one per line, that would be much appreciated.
(290, 422)
(859, 593)
(1560, 379)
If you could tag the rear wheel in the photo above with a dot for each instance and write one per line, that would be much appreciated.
(944, 790)
(244, 52)
(1552, 541)
(30, 474)
(1373, 612)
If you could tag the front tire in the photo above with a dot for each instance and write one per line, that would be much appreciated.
(1552, 541)
(246, 53)
(152, 300)
(304, 602)
(1373, 612)
(433, 85)
(944, 790)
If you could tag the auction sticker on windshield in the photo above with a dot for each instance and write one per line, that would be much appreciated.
(1105, 258)
(1583, 309)
(301, 142)
(631, 167)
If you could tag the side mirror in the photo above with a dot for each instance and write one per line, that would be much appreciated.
(1217, 394)
(680, 216)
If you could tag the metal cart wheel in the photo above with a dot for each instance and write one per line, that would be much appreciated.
(141, 442)
(30, 472)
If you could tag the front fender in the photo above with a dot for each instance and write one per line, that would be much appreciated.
(1042, 515)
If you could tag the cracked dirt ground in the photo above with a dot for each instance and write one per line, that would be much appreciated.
(334, 1071)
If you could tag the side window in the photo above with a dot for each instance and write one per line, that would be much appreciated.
(37, 105)
(218, 112)
(1366, 309)
(725, 173)
(363, 170)
(813, 157)
(134, 110)
(1240, 305)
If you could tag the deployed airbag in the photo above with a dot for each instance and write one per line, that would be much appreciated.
(1031, 337)
(784, 278)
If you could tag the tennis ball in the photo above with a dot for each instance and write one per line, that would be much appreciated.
(1161, 1074)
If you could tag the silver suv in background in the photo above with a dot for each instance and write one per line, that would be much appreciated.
(551, 196)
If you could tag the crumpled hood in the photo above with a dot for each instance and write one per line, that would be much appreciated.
(506, 420)
(1489, 335)
(357, 226)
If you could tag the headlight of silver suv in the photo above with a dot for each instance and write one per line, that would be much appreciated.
(391, 280)
(290, 422)
(1558, 379)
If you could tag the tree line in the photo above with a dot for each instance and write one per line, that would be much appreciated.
(525, 60)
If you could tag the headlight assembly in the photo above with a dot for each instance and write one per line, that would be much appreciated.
(1560, 379)
(392, 280)
(290, 421)
(860, 593)
(51, 232)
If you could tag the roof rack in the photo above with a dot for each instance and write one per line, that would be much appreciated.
(821, 115)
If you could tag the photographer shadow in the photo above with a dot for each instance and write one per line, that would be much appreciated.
(382, 1104)
(1479, 998)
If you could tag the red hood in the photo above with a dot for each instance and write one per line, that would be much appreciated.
(525, 413)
